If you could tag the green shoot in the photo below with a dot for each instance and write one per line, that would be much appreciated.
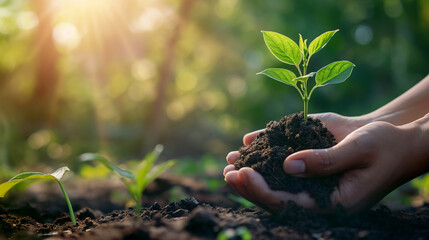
(242, 201)
(239, 233)
(287, 51)
(137, 180)
(57, 175)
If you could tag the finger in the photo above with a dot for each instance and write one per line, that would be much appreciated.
(228, 169)
(248, 138)
(339, 158)
(233, 180)
(232, 157)
(255, 185)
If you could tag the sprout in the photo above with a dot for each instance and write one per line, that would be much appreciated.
(137, 180)
(287, 51)
(57, 175)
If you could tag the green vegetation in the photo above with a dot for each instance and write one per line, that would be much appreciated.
(86, 88)
(57, 175)
(240, 233)
(143, 174)
(287, 51)
(242, 201)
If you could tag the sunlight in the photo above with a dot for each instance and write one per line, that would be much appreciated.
(66, 36)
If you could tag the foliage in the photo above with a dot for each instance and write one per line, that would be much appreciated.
(287, 51)
(139, 178)
(422, 183)
(242, 201)
(57, 175)
(240, 233)
(108, 72)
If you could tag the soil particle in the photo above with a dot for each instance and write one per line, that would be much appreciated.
(190, 219)
(203, 222)
(268, 151)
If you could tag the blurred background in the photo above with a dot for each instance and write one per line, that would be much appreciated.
(119, 77)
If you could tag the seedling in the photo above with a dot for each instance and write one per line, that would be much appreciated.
(242, 201)
(287, 51)
(57, 175)
(137, 180)
(240, 233)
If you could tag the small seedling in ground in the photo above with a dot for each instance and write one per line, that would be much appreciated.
(242, 201)
(137, 180)
(57, 175)
(240, 233)
(287, 51)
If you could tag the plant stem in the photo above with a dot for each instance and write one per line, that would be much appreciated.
(304, 66)
(68, 203)
(305, 108)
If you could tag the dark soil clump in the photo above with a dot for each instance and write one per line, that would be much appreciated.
(291, 134)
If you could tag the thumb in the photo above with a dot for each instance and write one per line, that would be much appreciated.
(321, 162)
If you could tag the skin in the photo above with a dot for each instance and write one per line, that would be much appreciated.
(376, 153)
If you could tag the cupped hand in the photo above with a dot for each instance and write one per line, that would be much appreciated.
(373, 160)
(340, 126)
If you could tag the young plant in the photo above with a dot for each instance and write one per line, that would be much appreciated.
(287, 51)
(239, 233)
(57, 175)
(143, 174)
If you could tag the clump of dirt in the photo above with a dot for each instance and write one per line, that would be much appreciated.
(270, 148)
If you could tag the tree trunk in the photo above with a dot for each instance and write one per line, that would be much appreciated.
(44, 95)
(157, 116)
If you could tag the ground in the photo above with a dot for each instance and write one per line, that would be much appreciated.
(41, 214)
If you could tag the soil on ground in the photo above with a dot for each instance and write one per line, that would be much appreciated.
(205, 216)
(268, 151)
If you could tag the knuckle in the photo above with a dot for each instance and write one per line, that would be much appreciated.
(368, 142)
(364, 146)
(324, 160)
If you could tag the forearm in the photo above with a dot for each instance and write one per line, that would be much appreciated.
(406, 108)
(418, 159)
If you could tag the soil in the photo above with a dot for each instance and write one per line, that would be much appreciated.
(201, 217)
(268, 151)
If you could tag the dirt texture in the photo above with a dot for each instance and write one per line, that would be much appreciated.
(192, 219)
(268, 151)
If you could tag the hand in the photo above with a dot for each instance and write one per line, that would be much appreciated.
(252, 186)
(374, 159)
(340, 126)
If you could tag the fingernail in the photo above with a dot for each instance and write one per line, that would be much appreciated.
(294, 167)
(232, 157)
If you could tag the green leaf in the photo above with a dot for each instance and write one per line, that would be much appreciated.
(333, 73)
(146, 164)
(304, 78)
(155, 172)
(57, 175)
(283, 48)
(319, 42)
(97, 157)
(303, 46)
(280, 74)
